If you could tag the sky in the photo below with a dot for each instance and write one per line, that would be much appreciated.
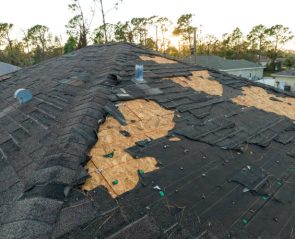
(211, 16)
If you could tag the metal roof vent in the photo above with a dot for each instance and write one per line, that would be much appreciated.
(23, 95)
(139, 73)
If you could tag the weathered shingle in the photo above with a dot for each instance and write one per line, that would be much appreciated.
(44, 147)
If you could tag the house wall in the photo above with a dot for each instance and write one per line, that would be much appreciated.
(264, 63)
(251, 74)
(288, 81)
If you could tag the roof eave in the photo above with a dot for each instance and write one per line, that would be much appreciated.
(247, 68)
(288, 76)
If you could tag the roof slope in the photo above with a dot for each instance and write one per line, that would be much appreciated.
(230, 176)
(288, 73)
(7, 68)
(220, 63)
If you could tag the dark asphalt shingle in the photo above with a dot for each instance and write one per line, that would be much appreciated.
(44, 146)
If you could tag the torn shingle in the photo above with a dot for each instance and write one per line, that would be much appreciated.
(227, 122)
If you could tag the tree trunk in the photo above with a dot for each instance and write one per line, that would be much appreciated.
(9, 43)
(259, 53)
(83, 30)
(157, 38)
(103, 21)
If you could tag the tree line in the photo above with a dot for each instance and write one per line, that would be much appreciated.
(152, 32)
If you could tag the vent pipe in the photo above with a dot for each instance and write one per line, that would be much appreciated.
(139, 73)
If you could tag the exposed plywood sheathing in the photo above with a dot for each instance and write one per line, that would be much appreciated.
(261, 99)
(174, 139)
(200, 81)
(145, 120)
(157, 59)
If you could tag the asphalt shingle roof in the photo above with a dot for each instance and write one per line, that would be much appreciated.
(290, 73)
(222, 63)
(230, 176)
(7, 68)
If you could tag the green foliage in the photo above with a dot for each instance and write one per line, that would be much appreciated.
(163, 24)
(140, 27)
(236, 38)
(150, 43)
(78, 26)
(124, 32)
(15, 55)
(70, 45)
(233, 44)
(135, 31)
(99, 34)
(152, 32)
(184, 28)
(289, 62)
(278, 36)
(39, 36)
(209, 45)
(41, 44)
(5, 29)
(37, 45)
(103, 14)
(257, 38)
(172, 51)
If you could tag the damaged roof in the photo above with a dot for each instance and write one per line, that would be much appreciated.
(221, 166)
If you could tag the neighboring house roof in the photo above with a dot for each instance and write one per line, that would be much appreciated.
(217, 150)
(280, 59)
(222, 63)
(288, 73)
(7, 68)
(263, 58)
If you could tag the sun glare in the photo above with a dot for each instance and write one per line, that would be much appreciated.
(174, 41)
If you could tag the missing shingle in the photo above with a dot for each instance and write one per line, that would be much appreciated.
(157, 59)
(200, 81)
(119, 173)
(259, 98)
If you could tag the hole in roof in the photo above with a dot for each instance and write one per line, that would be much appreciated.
(200, 81)
(261, 99)
(157, 59)
(174, 139)
(110, 166)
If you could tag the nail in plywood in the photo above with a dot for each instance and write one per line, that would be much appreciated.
(157, 59)
(261, 99)
(200, 81)
(145, 120)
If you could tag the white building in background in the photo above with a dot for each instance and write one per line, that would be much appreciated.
(273, 82)
(243, 68)
(287, 78)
